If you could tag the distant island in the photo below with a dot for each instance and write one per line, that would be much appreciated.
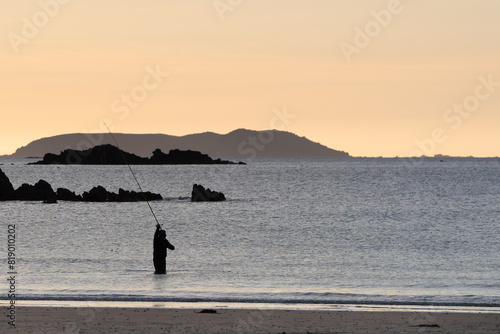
(238, 144)
(112, 155)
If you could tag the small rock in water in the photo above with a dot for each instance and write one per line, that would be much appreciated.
(208, 311)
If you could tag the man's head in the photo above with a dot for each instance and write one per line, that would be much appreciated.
(162, 234)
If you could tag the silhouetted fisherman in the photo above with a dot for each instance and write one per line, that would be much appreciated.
(160, 245)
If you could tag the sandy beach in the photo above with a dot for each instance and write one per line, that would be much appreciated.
(161, 320)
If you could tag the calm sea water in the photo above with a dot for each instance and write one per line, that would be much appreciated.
(356, 231)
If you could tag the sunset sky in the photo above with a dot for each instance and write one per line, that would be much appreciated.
(373, 78)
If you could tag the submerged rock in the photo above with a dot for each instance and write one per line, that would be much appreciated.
(50, 201)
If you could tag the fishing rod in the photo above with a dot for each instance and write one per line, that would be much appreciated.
(131, 171)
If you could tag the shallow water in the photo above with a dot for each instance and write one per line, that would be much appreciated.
(309, 232)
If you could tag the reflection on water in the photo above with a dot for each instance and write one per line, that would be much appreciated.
(317, 231)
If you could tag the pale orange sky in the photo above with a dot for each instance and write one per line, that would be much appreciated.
(418, 69)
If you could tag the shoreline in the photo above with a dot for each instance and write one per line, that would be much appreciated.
(369, 307)
(48, 319)
(221, 304)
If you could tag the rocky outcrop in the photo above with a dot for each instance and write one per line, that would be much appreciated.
(178, 157)
(7, 192)
(100, 194)
(132, 196)
(200, 194)
(64, 194)
(42, 191)
(111, 155)
(96, 194)
(98, 155)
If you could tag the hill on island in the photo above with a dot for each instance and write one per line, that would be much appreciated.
(240, 143)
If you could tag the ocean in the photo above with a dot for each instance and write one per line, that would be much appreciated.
(302, 233)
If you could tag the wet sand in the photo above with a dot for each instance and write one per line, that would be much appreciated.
(166, 320)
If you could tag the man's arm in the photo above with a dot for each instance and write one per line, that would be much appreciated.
(170, 246)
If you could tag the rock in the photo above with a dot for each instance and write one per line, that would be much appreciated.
(100, 194)
(129, 196)
(7, 192)
(50, 201)
(209, 311)
(178, 157)
(98, 155)
(132, 196)
(96, 194)
(64, 194)
(200, 194)
(41, 191)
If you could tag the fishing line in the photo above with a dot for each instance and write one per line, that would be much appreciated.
(131, 171)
